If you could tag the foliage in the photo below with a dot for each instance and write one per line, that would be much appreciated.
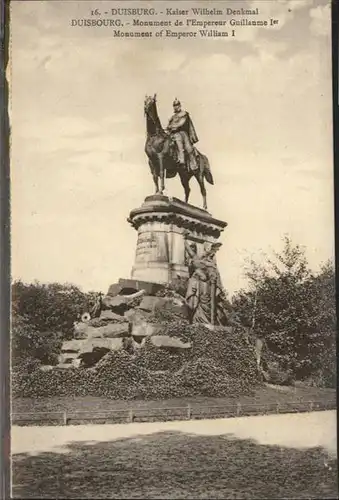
(220, 363)
(29, 345)
(323, 346)
(43, 316)
(50, 307)
(205, 377)
(154, 359)
(293, 309)
(287, 305)
(178, 286)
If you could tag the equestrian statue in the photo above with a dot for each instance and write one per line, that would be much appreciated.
(172, 151)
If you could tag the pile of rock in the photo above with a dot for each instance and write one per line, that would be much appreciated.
(125, 318)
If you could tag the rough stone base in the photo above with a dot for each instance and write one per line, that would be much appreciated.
(129, 286)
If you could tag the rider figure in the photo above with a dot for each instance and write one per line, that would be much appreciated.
(182, 130)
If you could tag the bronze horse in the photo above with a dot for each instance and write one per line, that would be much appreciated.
(162, 156)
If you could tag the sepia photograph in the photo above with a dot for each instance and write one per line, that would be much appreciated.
(173, 294)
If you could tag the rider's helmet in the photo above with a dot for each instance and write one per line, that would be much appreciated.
(176, 104)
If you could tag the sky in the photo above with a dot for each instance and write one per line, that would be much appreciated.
(261, 103)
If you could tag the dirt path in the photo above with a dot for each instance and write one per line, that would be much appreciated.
(301, 431)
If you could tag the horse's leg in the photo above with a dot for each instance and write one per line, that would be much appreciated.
(200, 179)
(185, 183)
(161, 173)
(155, 177)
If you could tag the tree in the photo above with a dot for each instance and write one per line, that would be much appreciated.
(323, 346)
(50, 307)
(29, 346)
(292, 309)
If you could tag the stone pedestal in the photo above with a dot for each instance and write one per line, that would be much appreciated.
(161, 222)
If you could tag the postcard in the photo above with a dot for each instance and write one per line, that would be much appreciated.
(173, 329)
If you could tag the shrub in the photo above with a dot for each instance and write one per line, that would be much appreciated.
(50, 307)
(294, 310)
(177, 287)
(29, 343)
(204, 377)
(226, 346)
(220, 363)
(156, 359)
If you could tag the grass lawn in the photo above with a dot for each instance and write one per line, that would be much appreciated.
(263, 395)
(176, 464)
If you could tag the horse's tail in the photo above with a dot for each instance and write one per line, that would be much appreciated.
(207, 169)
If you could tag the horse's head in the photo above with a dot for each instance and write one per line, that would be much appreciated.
(150, 105)
(151, 113)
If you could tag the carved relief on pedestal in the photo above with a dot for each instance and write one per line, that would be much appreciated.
(152, 246)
